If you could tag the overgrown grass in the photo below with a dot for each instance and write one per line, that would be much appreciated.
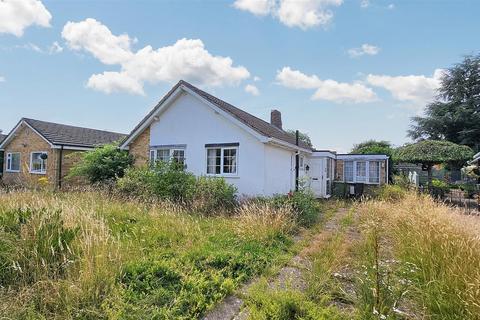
(86, 255)
(418, 258)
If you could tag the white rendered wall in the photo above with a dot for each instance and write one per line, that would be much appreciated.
(191, 122)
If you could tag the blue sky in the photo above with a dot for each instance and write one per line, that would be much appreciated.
(342, 71)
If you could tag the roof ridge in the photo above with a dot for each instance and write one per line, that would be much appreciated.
(71, 126)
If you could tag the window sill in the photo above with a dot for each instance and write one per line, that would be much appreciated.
(37, 172)
(12, 171)
(222, 176)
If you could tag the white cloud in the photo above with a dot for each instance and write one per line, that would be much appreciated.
(186, 59)
(257, 7)
(256, 78)
(55, 48)
(364, 49)
(330, 90)
(416, 89)
(391, 6)
(95, 38)
(2, 79)
(364, 3)
(292, 13)
(253, 90)
(17, 15)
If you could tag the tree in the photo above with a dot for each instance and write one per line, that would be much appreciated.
(373, 147)
(102, 164)
(430, 152)
(455, 114)
(304, 137)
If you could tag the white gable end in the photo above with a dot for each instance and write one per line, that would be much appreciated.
(191, 123)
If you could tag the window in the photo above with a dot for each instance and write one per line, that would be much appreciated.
(178, 155)
(361, 175)
(214, 161)
(362, 171)
(374, 172)
(348, 171)
(167, 154)
(13, 162)
(222, 161)
(38, 162)
(163, 155)
(300, 162)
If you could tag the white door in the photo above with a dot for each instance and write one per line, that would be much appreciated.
(316, 171)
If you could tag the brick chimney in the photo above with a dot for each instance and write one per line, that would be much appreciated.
(276, 119)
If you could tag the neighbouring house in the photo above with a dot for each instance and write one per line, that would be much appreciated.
(214, 138)
(2, 137)
(37, 149)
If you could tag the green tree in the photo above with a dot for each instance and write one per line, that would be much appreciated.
(373, 147)
(430, 152)
(102, 164)
(455, 114)
(304, 137)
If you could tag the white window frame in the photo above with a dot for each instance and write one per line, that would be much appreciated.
(367, 171)
(10, 155)
(44, 162)
(154, 153)
(222, 150)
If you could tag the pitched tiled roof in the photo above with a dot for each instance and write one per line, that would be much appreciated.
(62, 134)
(261, 126)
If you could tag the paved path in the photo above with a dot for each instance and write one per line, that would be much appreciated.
(291, 276)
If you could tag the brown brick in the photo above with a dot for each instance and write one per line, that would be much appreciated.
(339, 170)
(140, 148)
(27, 141)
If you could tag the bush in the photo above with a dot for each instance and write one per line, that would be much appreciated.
(169, 181)
(391, 192)
(166, 181)
(213, 193)
(303, 203)
(440, 184)
(102, 164)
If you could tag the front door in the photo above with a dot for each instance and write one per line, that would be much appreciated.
(316, 177)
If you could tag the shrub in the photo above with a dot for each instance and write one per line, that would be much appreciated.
(402, 181)
(303, 203)
(391, 192)
(212, 194)
(102, 164)
(440, 184)
(166, 181)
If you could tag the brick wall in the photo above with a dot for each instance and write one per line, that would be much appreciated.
(27, 141)
(339, 170)
(140, 148)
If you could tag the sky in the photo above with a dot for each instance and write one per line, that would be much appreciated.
(341, 71)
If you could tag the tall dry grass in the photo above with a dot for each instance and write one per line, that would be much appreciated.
(63, 255)
(431, 253)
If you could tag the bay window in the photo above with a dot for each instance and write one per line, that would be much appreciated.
(167, 154)
(13, 162)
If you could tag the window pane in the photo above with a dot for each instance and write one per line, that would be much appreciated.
(179, 156)
(152, 156)
(13, 161)
(38, 164)
(361, 171)
(213, 161)
(163, 155)
(230, 161)
(348, 171)
(329, 168)
(374, 172)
